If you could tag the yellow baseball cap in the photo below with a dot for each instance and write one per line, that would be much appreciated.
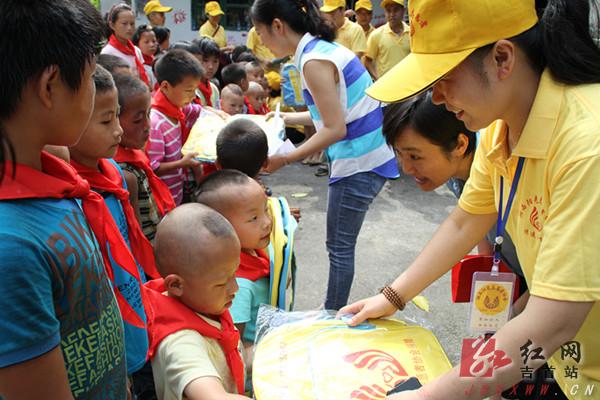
(274, 80)
(366, 4)
(387, 2)
(155, 6)
(445, 32)
(331, 5)
(213, 8)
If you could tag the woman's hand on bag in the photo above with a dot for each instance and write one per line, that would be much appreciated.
(372, 307)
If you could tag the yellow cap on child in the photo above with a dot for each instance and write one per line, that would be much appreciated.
(273, 80)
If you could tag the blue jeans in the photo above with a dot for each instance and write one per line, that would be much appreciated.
(348, 203)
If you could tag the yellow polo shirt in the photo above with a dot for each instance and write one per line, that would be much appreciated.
(254, 43)
(555, 218)
(352, 36)
(369, 31)
(208, 30)
(386, 48)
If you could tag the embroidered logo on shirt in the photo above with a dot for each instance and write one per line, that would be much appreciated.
(533, 210)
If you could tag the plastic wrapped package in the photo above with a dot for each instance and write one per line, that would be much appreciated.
(312, 355)
(203, 136)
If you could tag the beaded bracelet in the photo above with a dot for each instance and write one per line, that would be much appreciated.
(393, 297)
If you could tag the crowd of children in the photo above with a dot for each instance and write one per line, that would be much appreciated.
(115, 255)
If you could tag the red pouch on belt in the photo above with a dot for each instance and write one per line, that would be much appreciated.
(462, 276)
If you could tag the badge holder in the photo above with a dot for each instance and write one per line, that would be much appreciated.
(492, 292)
(491, 299)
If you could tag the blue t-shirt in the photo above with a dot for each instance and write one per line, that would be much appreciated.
(136, 339)
(246, 303)
(55, 292)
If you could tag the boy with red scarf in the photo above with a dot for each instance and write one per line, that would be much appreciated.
(149, 196)
(194, 346)
(173, 114)
(255, 99)
(130, 248)
(61, 333)
(243, 202)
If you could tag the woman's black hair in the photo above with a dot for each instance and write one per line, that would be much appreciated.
(137, 36)
(208, 47)
(72, 36)
(113, 14)
(301, 15)
(431, 121)
(563, 40)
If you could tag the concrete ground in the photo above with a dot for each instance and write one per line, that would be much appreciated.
(400, 222)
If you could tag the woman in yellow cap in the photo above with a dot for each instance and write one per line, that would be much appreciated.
(535, 84)
(212, 27)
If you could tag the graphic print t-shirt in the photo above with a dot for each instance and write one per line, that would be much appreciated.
(55, 292)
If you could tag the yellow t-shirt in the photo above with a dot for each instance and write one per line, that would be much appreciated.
(386, 48)
(369, 31)
(208, 30)
(254, 43)
(555, 217)
(185, 356)
(352, 36)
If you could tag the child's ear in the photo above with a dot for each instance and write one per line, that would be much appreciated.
(218, 164)
(49, 78)
(165, 86)
(174, 285)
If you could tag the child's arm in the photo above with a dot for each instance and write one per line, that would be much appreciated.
(209, 388)
(132, 187)
(186, 161)
(43, 377)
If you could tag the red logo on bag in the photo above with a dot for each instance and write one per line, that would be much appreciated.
(391, 370)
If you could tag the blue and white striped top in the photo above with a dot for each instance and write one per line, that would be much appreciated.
(364, 148)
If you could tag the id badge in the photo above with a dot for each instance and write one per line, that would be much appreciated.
(491, 301)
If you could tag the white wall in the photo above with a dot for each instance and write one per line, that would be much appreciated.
(179, 21)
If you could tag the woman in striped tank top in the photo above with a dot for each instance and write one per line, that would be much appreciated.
(348, 126)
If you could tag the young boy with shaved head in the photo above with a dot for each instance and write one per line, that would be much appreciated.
(194, 346)
(255, 99)
(243, 202)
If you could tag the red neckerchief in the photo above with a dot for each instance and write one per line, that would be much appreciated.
(251, 109)
(109, 180)
(160, 191)
(206, 90)
(148, 60)
(129, 50)
(254, 267)
(59, 180)
(161, 103)
(263, 110)
(167, 315)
